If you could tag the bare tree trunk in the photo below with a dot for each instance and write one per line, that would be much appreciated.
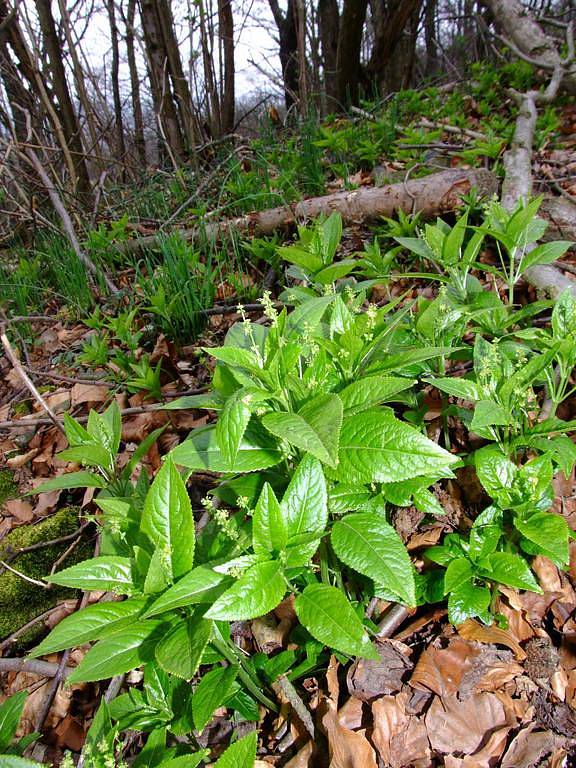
(226, 34)
(430, 37)
(207, 43)
(139, 140)
(348, 56)
(164, 106)
(119, 122)
(288, 34)
(385, 67)
(302, 58)
(329, 24)
(66, 110)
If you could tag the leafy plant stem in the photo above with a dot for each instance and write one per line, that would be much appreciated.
(234, 656)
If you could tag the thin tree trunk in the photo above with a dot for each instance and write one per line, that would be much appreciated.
(430, 38)
(66, 110)
(118, 119)
(139, 140)
(329, 23)
(288, 36)
(348, 56)
(226, 34)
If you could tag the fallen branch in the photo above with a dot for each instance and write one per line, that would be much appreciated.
(35, 667)
(432, 195)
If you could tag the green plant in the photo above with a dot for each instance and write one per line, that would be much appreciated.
(10, 713)
(146, 378)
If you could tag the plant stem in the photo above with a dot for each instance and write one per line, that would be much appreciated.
(231, 654)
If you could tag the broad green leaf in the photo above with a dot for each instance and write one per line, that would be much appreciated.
(347, 498)
(70, 480)
(180, 651)
(241, 754)
(330, 618)
(167, 519)
(416, 245)
(544, 254)
(462, 388)
(268, 528)
(495, 470)
(209, 400)
(91, 623)
(564, 316)
(408, 357)
(459, 572)
(335, 271)
(258, 591)
(487, 414)
(467, 602)
(76, 434)
(212, 692)
(14, 761)
(113, 420)
(377, 447)
(330, 232)
(512, 570)
(485, 533)
(305, 507)
(100, 573)
(186, 761)
(10, 712)
(119, 653)
(549, 532)
(198, 586)
(153, 751)
(232, 425)
(308, 315)
(90, 455)
(201, 451)
(300, 256)
(235, 357)
(367, 543)
(371, 391)
(314, 429)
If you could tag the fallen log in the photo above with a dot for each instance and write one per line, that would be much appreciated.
(432, 195)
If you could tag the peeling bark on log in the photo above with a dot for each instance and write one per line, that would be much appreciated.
(431, 196)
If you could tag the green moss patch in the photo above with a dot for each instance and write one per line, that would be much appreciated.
(8, 488)
(21, 601)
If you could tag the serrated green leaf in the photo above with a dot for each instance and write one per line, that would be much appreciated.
(100, 573)
(549, 532)
(90, 455)
(305, 507)
(180, 651)
(458, 572)
(10, 712)
(70, 480)
(167, 519)
(487, 413)
(370, 545)
(259, 590)
(329, 617)
(119, 653)
(186, 761)
(91, 623)
(211, 693)
(507, 568)
(201, 451)
(347, 498)
(232, 425)
(467, 602)
(371, 391)
(462, 388)
(201, 585)
(564, 316)
(14, 761)
(235, 357)
(269, 533)
(377, 447)
(241, 754)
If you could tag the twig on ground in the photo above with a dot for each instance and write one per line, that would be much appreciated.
(23, 576)
(34, 666)
(393, 617)
(54, 685)
(17, 365)
(7, 642)
(66, 379)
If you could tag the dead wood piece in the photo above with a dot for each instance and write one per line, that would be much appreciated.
(431, 195)
(41, 668)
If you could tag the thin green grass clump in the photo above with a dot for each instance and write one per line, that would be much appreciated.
(21, 601)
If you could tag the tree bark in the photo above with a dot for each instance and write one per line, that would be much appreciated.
(139, 139)
(433, 195)
(329, 25)
(226, 34)
(288, 38)
(430, 38)
(118, 118)
(348, 55)
(387, 66)
(65, 106)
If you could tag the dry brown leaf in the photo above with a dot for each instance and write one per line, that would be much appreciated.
(302, 758)
(351, 714)
(89, 393)
(528, 748)
(463, 726)
(441, 670)
(473, 630)
(58, 401)
(400, 739)
(348, 749)
(21, 510)
(486, 757)
(368, 678)
(267, 633)
(18, 461)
